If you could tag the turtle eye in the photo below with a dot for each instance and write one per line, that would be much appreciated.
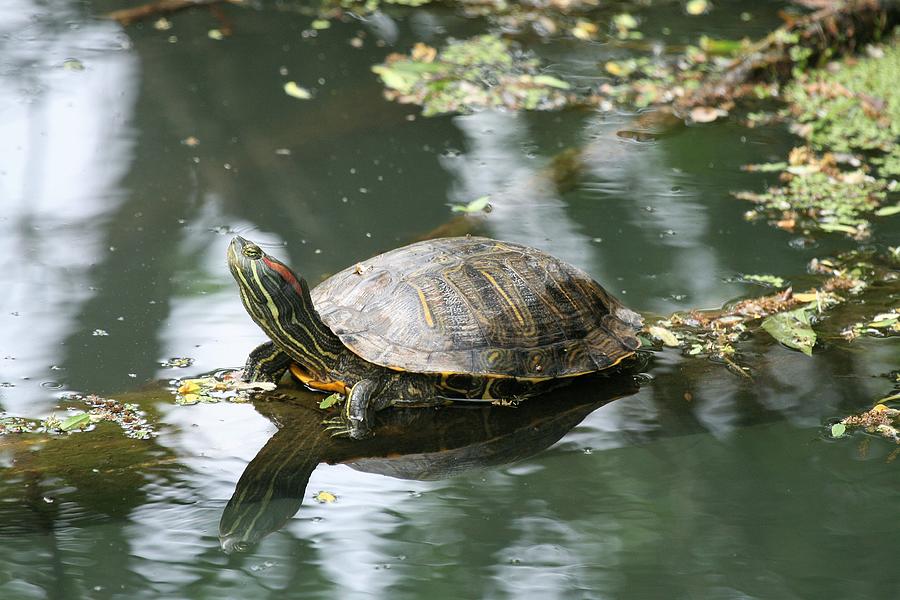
(252, 251)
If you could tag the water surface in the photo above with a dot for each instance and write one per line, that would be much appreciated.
(113, 231)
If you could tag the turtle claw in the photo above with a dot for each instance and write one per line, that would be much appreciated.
(337, 426)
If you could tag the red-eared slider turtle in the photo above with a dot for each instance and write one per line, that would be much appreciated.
(466, 318)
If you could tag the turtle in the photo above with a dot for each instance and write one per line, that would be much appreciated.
(459, 318)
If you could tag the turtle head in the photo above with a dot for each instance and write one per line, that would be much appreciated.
(262, 278)
(271, 292)
(278, 300)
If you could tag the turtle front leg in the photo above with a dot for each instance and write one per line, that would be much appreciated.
(366, 397)
(266, 363)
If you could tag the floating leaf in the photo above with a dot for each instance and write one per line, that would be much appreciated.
(888, 399)
(75, 422)
(806, 297)
(706, 114)
(624, 22)
(295, 91)
(771, 280)
(215, 34)
(73, 64)
(330, 401)
(664, 335)
(584, 30)
(321, 24)
(792, 329)
(721, 47)
(188, 399)
(477, 205)
(838, 227)
(888, 211)
(188, 387)
(551, 81)
(838, 430)
(324, 497)
(697, 7)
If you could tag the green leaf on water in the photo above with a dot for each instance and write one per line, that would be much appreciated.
(792, 329)
(842, 227)
(888, 211)
(721, 47)
(838, 430)
(330, 401)
(320, 24)
(551, 81)
(75, 422)
(477, 205)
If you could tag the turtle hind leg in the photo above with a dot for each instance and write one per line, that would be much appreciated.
(266, 363)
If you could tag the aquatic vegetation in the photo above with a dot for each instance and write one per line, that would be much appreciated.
(853, 106)
(881, 325)
(881, 419)
(817, 194)
(851, 111)
(787, 316)
(127, 416)
(649, 81)
(482, 72)
(221, 386)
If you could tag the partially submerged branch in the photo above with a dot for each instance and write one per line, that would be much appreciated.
(127, 16)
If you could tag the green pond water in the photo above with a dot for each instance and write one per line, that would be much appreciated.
(688, 482)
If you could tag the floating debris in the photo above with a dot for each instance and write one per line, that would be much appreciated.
(881, 325)
(766, 280)
(853, 106)
(478, 205)
(324, 497)
(221, 386)
(787, 316)
(73, 64)
(483, 72)
(177, 362)
(295, 91)
(128, 417)
(880, 420)
(817, 194)
(697, 7)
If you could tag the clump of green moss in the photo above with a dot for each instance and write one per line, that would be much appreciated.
(482, 72)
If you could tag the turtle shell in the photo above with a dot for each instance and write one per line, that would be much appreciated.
(476, 306)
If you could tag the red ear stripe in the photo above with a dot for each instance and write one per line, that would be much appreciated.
(285, 273)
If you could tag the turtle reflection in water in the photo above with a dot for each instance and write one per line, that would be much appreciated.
(409, 444)
(459, 318)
